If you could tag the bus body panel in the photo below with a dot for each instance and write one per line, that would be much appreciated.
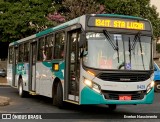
(9, 73)
(45, 77)
(122, 86)
(88, 96)
(21, 70)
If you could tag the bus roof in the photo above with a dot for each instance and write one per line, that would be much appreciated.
(121, 16)
(71, 22)
(41, 33)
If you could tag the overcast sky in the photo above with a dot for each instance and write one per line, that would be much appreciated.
(157, 4)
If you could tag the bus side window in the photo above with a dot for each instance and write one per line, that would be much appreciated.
(17, 54)
(26, 52)
(59, 46)
(11, 54)
(21, 53)
(41, 49)
(49, 46)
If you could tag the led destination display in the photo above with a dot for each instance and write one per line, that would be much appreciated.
(119, 23)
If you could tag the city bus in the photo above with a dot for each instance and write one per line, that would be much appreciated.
(93, 59)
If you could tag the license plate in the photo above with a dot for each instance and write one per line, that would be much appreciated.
(128, 97)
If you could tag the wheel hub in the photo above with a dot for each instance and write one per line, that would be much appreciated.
(158, 86)
(20, 89)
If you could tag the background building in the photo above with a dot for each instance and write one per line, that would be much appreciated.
(157, 4)
(156, 55)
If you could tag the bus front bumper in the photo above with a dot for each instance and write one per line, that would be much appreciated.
(88, 96)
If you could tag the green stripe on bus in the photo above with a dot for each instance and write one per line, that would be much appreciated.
(60, 72)
(49, 31)
(74, 21)
(122, 16)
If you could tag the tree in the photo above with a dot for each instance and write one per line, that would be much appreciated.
(70, 9)
(140, 8)
(21, 18)
(57, 17)
(73, 8)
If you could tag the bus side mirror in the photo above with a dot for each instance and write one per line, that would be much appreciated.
(83, 54)
(83, 39)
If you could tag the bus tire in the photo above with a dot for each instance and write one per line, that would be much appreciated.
(157, 86)
(58, 97)
(21, 92)
(112, 107)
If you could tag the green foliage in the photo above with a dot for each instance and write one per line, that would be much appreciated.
(74, 8)
(158, 48)
(21, 18)
(140, 8)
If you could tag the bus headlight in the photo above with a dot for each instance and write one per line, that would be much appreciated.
(92, 85)
(150, 86)
(88, 82)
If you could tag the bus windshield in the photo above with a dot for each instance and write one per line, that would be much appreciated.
(132, 53)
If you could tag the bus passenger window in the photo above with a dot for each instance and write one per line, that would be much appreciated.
(17, 54)
(49, 46)
(26, 52)
(21, 52)
(11, 53)
(44, 54)
(41, 49)
(59, 46)
(62, 52)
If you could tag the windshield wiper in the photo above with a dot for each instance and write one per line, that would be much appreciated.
(138, 37)
(105, 32)
(129, 49)
(121, 65)
(141, 51)
(135, 40)
(117, 49)
(115, 46)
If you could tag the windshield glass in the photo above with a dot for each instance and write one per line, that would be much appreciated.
(99, 52)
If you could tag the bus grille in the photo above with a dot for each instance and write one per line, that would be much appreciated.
(123, 77)
(114, 95)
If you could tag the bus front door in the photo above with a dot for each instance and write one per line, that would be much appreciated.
(72, 67)
(32, 70)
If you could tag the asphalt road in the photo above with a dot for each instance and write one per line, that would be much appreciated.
(40, 104)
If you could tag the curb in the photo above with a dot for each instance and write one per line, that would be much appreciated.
(4, 84)
(4, 101)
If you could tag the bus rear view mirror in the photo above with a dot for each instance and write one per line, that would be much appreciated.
(83, 39)
(83, 53)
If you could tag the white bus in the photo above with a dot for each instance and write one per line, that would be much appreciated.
(92, 59)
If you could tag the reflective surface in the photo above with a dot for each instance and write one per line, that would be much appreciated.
(133, 51)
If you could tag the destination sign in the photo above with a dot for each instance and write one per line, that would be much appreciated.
(119, 23)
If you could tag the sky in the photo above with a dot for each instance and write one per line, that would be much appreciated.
(157, 4)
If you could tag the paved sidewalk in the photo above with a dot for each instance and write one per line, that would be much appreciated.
(3, 81)
(3, 100)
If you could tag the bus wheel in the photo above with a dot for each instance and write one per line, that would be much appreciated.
(157, 86)
(112, 107)
(21, 92)
(58, 97)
